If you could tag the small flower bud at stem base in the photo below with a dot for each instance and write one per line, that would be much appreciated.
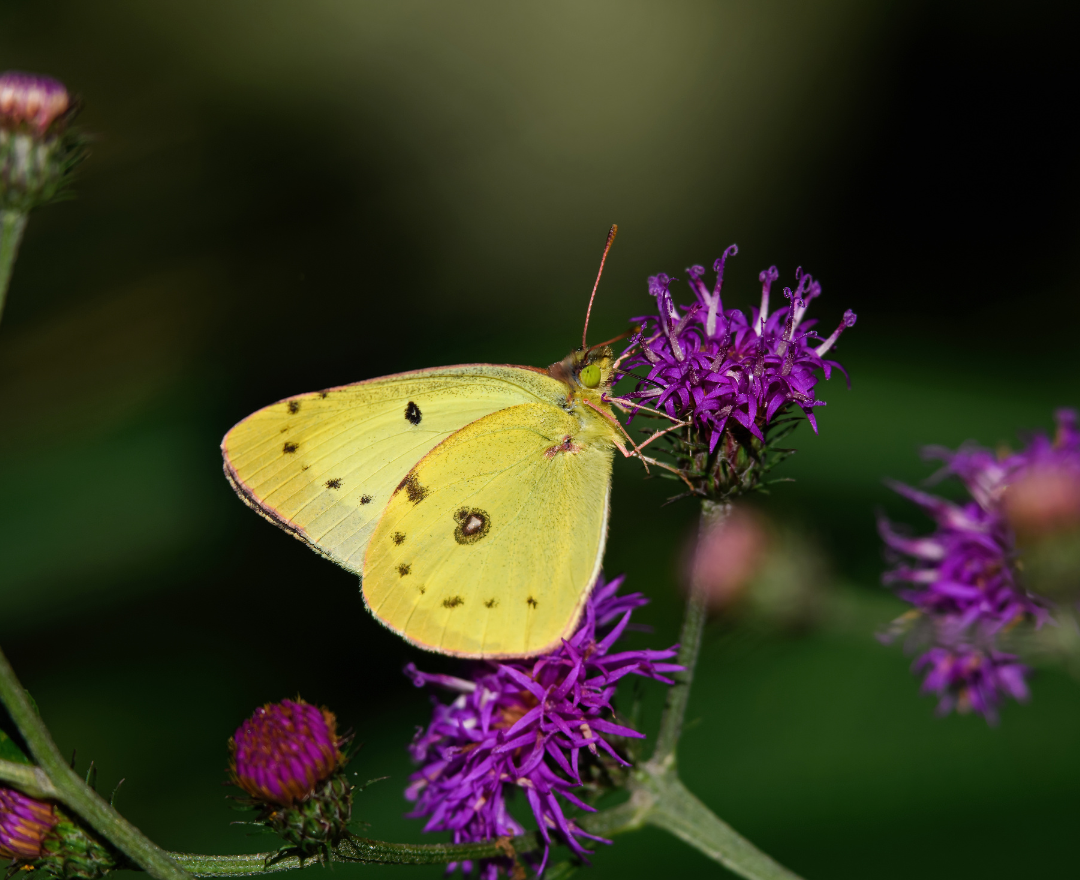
(288, 758)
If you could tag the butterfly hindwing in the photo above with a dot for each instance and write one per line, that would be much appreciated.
(324, 465)
(488, 547)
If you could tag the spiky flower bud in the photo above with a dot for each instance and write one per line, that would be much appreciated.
(37, 149)
(40, 837)
(288, 757)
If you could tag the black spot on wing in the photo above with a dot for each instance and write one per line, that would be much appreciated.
(365, 499)
(413, 489)
(490, 603)
(294, 406)
(472, 525)
(333, 484)
(399, 537)
(531, 602)
(322, 395)
(289, 448)
(453, 602)
(404, 569)
(412, 413)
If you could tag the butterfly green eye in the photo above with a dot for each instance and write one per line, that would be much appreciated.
(590, 375)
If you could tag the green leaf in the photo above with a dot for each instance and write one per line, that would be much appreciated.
(11, 752)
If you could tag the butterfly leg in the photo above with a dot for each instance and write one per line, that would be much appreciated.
(646, 461)
(628, 454)
(637, 452)
(625, 405)
(658, 434)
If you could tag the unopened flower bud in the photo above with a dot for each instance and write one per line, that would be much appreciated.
(37, 150)
(1045, 500)
(39, 836)
(727, 556)
(30, 101)
(24, 824)
(288, 758)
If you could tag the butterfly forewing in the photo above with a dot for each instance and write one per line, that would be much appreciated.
(488, 547)
(324, 465)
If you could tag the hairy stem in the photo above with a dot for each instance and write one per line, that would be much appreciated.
(12, 226)
(28, 779)
(678, 695)
(359, 849)
(73, 792)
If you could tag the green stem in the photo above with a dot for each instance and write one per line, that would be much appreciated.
(359, 849)
(12, 226)
(678, 812)
(663, 758)
(28, 779)
(73, 792)
(659, 797)
(236, 866)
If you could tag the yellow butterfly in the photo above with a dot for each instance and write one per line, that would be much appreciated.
(472, 500)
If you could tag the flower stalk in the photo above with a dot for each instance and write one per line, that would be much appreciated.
(713, 516)
(73, 792)
(660, 797)
(12, 226)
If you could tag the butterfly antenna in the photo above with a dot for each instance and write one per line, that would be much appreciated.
(629, 332)
(607, 247)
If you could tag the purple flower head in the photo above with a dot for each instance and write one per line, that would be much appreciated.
(707, 365)
(963, 578)
(31, 101)
(528, 724)
(25, 822)
(964, 573)
(283, 751)
(971, 679)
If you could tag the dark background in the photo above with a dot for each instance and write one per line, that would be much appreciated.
(286, 196)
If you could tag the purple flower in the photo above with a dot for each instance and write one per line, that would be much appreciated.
(283, 751)
(25, 822)
(531, 725)
(964, 572)
(972, 679)
(31, 101)
(963, 578)
(707, 365)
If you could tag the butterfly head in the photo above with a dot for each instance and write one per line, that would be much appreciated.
(587, 372)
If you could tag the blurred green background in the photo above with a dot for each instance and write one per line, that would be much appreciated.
(286, 196)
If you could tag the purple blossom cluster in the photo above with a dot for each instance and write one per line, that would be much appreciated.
(528, 725)
(707, 365)
(963, 579)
